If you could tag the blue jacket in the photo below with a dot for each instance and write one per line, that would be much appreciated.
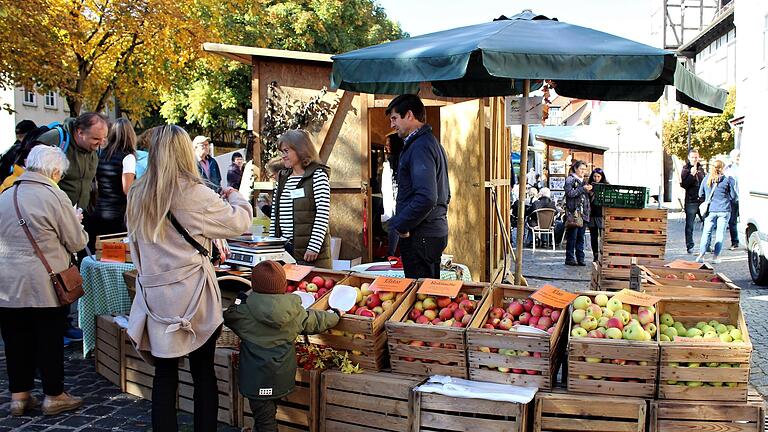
(725, 193)
(214, 181)
(423, 192)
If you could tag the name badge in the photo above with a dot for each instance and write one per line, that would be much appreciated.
(297, 193)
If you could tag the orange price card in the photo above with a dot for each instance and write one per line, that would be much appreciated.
(296, 273)
(552, 296)
(636, 298)
(443, 288)
(390, 284)
(113, 252)
(684, 265)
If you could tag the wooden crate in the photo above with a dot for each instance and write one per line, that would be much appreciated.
(655, 282)
(436, 412)
(424, 360)
(298, 411)
(137, 375)
(483, 366)
(565, 412)
(581, 374)
(108, 349)
(365, 339)
(614, 269)
(372, 401)
(634, 226)
(130, 281)
(113, 238)
(673, 416)
(738, 355)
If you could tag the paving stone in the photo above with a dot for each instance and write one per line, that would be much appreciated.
(99, 410)
(77, 421)
(110, 422)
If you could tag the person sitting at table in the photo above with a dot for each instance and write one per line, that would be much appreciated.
(30, 313)
(172, 217)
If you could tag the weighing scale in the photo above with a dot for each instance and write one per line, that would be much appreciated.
(250, 250)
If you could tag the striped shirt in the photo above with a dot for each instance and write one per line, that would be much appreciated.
(322, 191)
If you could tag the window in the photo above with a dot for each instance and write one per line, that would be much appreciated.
(30, 98)
(50, 100)
(765, 39)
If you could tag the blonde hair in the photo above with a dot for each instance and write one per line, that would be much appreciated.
(715, 171)
(274, 166)
(300, 141)
(171, 162)
(121, 137)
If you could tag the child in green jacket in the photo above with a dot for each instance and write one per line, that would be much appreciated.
(268, 322)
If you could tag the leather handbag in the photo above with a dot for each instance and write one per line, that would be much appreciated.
(68, 284)
(574, 220)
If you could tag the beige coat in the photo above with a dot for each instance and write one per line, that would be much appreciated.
(54, 226)
(178, 303)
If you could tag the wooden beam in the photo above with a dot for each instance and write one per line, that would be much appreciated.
(365, 169)
(256, 98)
(330, 131)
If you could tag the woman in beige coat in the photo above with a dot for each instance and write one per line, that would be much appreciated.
(177, 309)
(30, 314)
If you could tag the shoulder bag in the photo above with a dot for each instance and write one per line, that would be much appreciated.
(214, 255)
(67, 284)
(575, 219)
(704, 207)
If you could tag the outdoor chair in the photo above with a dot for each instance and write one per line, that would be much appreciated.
(545, 224)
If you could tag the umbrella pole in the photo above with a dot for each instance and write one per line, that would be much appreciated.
(522, 186)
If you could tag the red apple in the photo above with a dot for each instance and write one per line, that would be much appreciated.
(443, 302)
(329, 283)
(615, 322)
(422, 319)
(497, 313)
(524, 318)
(453, 306)
(551, 330)
(318, 280)
(430, 314)
(321, 292)
(546, 312)
(489, 326)
(536, 310)
(505, 324)
(302, 286)
(690, 276)
(436, 321)
(445, 314)
(457, 324)
(528, 305)
(372, 301)
(555, 315)
(532, 321)
(414, 314)
(466, 319)
(468, 305)
(458, 314)
(515, 308)
(545, 321)
(671, 276)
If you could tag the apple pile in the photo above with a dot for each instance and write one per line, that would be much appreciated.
(370, 304)
(318, 286)
(702, 383)
(608, 318)
(512, 353)
(670, 330)
(526, 312)
(692, 277)
(443, 311)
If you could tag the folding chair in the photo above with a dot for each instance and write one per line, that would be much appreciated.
(545, 224)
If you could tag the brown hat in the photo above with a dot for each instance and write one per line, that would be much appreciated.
(268, 277)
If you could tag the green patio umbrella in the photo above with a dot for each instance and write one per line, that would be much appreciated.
(508, 56)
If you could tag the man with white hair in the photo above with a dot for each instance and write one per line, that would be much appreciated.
(732, 170)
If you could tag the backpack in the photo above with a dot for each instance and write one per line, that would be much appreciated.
(19, 151)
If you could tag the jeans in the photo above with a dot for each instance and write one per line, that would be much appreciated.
(717, 221)
(166, 383)
(264, 412)
(733, 223)
(574, 244)
(421, 256)
(691, 210)
(32, 339)
(594, 239)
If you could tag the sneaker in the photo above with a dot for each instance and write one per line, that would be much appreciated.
(53, 406)
(690, 251)
(571, 263)
(716, 260)
(700, 258)
(19, 406)
(74, 334)
(733, 247)
(581, 263)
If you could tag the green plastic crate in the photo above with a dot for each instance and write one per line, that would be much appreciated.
(608, 195)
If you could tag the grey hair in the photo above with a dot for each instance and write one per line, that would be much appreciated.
(45, 160)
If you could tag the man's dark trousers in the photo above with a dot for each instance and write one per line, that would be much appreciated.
(421, 256)
(691, 210)
(733, 224)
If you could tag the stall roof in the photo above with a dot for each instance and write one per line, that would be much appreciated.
(245, 54)
(583, 136)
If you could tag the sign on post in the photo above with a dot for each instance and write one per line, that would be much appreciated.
(519, 108)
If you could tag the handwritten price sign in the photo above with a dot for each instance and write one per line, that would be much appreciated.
(443, 288)
(552, 296)
(390, 284)
(636, 298)
(113, 252)
(295, 272)
(684, 265)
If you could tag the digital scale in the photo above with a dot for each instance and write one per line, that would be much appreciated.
(250, 250)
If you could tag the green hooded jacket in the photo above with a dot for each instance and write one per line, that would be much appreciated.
(268, 325)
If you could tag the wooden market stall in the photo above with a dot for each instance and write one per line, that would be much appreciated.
(472, 132)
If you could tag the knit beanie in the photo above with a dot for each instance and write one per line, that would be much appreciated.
(268, 277)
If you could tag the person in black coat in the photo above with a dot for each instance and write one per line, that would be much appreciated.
(690, 179)
(235, 172)
(595, 213)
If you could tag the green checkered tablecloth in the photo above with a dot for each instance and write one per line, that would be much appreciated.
(105, 293)
(459, 271)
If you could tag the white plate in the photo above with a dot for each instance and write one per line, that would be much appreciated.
(342, 297)
(306, 298)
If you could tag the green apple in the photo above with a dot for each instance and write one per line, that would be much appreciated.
(601, 300)
(732, 384)
(593, 360)
(681, 330)
(582, 302)
(707, 328)
(589, 323)
(578, 332)
(664, 338)
(726, 337)
(694, 383)
(602, 322)
(736, 334)
(667, 319)
(623, 315)
(674, 364)
(724, 365)
(663, 328)
(607, 312)
(614, 305)
(578, 315)
(714, 323)
(636, 333)
(671, 382)
(613, 333)
(713, 364)
(671, 332)
(700, 325)
(693, 332)
(716, 384)
(730, 327)
(721, 329)
(694, 364)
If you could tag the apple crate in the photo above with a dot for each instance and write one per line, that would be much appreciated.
(365, 339)
(136, 374)
(564, 412)
(711, 416)
(108, 348)
(448, 357)
(371, 401)
(673, 283)
(298, 411)
(113, 238)
(436, 412)
(615, 377)
(614, 269)
(711, 381)
(336, 276)
(546, 350)
(634, 226)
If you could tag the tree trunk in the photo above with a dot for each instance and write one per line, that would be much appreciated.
(74, 106)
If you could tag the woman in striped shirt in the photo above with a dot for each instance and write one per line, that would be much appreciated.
(302, 200)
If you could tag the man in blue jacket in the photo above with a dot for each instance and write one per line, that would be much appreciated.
(421, 215)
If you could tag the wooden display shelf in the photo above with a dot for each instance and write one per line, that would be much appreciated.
(654, 281)
(738, 355)
(365, 339)
(672, 416)
(566, 412)
(371, 401)
(436, 412)
(424, 360)
(298, 411)
(483, 366)
(634, 226)
(108, 349)
(594, 378)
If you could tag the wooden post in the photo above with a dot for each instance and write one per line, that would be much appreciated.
(365, 170)
(521, 192)
(256, 97)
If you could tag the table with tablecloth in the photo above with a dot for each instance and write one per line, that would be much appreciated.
(455, 272)
(105, 293)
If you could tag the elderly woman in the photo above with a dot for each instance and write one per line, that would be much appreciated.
(172, 218)
(30, 313)
(302, 200)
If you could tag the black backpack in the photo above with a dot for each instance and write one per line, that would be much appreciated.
(19, 151)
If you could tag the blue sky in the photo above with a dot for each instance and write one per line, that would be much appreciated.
(626, 18)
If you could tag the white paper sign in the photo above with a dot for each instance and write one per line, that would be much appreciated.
(519, 109)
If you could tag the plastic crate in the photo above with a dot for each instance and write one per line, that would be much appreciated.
(608, 195)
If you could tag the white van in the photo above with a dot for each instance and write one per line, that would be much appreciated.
(753, 194)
